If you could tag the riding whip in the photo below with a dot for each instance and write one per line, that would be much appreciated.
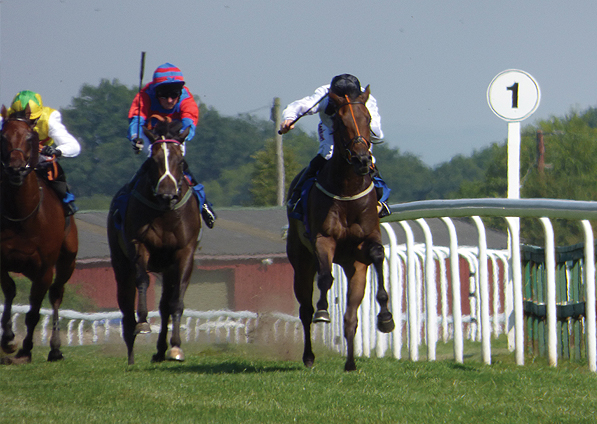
(306, 112)
(139, 96)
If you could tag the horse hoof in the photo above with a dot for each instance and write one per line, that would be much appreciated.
(55, 355)
(9, 347)
(142, 328)
(309, 361)
(175, 354)
(385, 324)
(158, 358)
(16, 360)
(350, 366)
(321, 316)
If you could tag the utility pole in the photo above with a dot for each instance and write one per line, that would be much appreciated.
(276, 116)
(540, 153)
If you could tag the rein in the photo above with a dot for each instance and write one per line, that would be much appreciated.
(41, 198)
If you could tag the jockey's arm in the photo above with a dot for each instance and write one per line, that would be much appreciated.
(302, 107)
(63, 140)
(376, 131)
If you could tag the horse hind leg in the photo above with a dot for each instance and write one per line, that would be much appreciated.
(9, 289)
(385, 321)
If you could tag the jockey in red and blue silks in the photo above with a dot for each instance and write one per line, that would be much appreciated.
(167, 96)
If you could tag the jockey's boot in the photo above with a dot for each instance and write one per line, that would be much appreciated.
(207, 212)
(310, 171)
(208, 215)
(69, 208)
(382, 207)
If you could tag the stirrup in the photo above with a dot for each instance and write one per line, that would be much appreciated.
(383, 209)
(208, 215)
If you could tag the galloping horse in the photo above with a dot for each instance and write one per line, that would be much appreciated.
(36, 236)
(343, 228)
(158, 232)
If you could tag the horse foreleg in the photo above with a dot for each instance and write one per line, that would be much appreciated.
(357, 279)
(65, 267)
(325, 248)
(303, 263)
(39, 289)
(165, 313)
(126, 292)
(55, 294)
(385, 321)
(9, 289)
(177, 308)
(142, 282)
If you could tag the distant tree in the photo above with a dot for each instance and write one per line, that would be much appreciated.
(570, 171)
(405, 174)
(98, 119)
(264, 181)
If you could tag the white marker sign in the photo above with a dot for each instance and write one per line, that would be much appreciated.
(513, 95)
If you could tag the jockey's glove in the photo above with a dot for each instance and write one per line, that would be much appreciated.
(137, 144)
(51, 151)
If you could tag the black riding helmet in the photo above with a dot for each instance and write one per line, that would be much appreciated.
(343, 85)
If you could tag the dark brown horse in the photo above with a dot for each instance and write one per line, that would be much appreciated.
(157, 233)
(36, 236)
(343, 228)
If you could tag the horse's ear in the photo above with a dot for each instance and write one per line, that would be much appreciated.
(149, 134)
(27, 112)
(366, 93)
(183, 135)
(4, 112)
(335, 98)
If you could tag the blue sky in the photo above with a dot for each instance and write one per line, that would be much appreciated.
(428, 63)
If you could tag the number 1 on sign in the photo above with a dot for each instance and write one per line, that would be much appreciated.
(514, 89)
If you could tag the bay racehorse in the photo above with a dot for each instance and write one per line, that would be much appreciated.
(342, 227)
(36, 236)
(157, 232)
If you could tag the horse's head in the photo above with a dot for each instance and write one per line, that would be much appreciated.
(19, 145)
(166, 160)
(351, 130)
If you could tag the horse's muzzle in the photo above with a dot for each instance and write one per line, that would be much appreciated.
(362, 165)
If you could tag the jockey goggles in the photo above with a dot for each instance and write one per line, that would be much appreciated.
(169, 92)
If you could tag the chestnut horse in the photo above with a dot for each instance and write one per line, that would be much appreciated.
(36, 236)
(158, 232)
(343, 228)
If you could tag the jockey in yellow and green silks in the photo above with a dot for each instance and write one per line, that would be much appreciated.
(54, 142)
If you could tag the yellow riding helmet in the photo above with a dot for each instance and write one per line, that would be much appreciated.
(24, 98)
